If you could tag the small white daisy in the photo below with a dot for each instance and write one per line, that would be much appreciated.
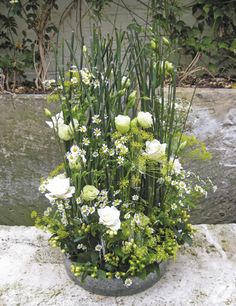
(95, 154)
(74, 150)
(86, 141)
(128, 282)
(83, 129)
(74, 80)
(98, 247)
(104, 148)
(135, 197)
(116, 202)
(97, 132)
(120, 160)
(96, 119)
(173, 206)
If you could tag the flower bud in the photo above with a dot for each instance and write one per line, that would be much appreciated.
(122, 123)
(169, 67)
(47, 113)
(125, 82)
(153, 44)
(165, 41)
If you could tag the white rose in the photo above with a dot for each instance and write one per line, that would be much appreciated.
(155, 150)
(145, 119)
(59, 187)
(110, 217)
(122, 123)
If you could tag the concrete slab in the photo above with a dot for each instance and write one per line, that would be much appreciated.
(32, 273)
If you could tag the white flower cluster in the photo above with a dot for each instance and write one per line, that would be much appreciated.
(88, 78)
(86, 210)
(102, 199)
(75, 156)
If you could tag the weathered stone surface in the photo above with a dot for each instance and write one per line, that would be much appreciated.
(32, 273)
(28, 151)
(213, 120)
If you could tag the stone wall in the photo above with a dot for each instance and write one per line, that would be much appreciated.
(213, 120)
(29, 151)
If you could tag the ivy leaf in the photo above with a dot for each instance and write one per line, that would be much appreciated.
(101, 274)
(109, 267)
(94, 257)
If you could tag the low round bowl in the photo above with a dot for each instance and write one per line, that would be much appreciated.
(114, 287)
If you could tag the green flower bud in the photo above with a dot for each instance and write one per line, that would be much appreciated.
(47, 113)
(89, 193)
(153, 44)
(122, 123)
(169, 67)
(125, 82)
(165, 41)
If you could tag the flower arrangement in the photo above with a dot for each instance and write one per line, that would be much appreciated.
(120, 201)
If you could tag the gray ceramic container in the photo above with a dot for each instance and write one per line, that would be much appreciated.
(114, 287)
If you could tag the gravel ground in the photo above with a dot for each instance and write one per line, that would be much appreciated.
(32, 273)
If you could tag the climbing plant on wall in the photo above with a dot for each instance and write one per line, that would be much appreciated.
(18, 54)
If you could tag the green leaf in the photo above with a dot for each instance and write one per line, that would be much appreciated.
(206, 8)
(83, 276)
(109, 267)
(187, 239)
(101, 274)
(84, 257)
(94, 257)
(142, 274)
(157, 269)
(79, 238)
(218, 13)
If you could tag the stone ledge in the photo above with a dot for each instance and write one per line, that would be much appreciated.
(32, 273)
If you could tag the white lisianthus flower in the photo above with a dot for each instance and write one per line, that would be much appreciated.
(65, 132)
(145, 119)
(89, 193)
(122, 123)
(110, 217)
(155, 150)
(56, 121)
(176, 166)
(59, 188)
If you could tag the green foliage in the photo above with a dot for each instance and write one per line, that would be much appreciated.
(212, 34)
(59, 169)
(192, 148)
(17, 52)
(218, 19)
